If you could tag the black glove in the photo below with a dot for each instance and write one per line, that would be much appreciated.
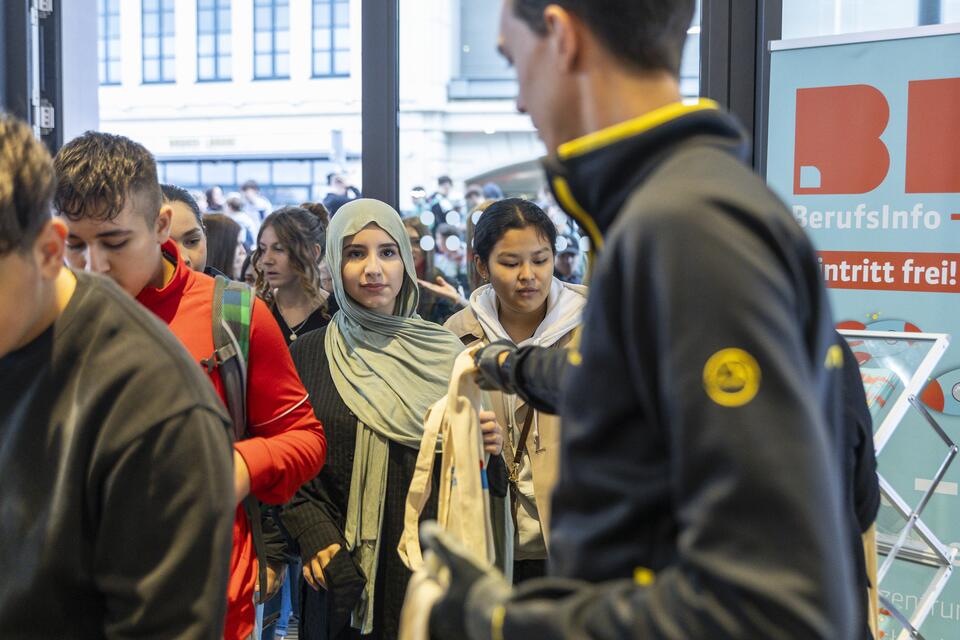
(492, 375)
(457, 611)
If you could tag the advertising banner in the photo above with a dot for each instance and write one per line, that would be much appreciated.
(864, 146)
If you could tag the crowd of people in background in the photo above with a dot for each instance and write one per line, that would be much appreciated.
(439, 226)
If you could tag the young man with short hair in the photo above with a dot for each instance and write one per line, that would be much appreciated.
(118, 226)
(701, 493)
(115, 470)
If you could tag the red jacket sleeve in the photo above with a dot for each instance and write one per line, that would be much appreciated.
(287, 446)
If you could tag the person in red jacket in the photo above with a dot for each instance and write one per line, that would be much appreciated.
(110, 197)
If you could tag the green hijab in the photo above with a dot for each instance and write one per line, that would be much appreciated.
(388, 369)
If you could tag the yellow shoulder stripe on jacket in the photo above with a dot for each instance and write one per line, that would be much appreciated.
(566, 200)
(617, 132)
(496, 622)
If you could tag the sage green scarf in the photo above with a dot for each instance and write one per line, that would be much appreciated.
(388, 369)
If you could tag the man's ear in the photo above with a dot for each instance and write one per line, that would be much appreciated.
(163, 223)
(48, 248)
(563, 33)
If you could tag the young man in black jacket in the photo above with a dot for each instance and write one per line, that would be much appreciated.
(701, 493)
(116, 481)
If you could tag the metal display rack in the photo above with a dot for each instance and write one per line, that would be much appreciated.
(895, 367)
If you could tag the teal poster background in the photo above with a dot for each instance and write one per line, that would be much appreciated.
(862, 228)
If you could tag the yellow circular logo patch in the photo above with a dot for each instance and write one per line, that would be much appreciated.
(731, 378)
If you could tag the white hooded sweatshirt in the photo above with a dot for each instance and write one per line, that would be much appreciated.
(565, 304)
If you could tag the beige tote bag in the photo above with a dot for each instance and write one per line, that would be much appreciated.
(464, 500)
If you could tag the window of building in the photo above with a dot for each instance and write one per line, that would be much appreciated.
(109, 41)
(158, 41)
(812, 18)
(283, 181)
(480, 137)
(214, 59)
(331, 38)
(271, 39)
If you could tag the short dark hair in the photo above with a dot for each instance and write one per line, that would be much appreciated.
(442, 180)
(26, 185)
(447, 230)
(504, 215)
(250, 184)
(173, 193)
(97, 172)
(234, 202)
(648, 35)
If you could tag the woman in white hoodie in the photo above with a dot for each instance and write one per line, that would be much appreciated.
(514, 252)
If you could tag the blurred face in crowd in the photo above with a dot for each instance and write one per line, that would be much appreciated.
(567, 263)
(372, 269)
(189, 236)
(326, 279)
(418, 255)
(543, 66)
(455, 254)
(250, 275)
(238, 258)
(473, 199)
(27, 280)
(126, 248)
(274, 260)
(444, 244)
(418, 195)
(520, 269)
(216, 197)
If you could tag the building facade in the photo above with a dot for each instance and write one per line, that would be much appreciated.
(223, 91)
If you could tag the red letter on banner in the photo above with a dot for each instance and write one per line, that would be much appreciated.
(838, 140)
(933, 137)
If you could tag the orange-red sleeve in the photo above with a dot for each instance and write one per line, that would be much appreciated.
(287, 446)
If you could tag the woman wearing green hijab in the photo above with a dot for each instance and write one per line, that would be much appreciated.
(372, 373)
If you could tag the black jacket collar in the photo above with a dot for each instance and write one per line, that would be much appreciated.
(593, 176)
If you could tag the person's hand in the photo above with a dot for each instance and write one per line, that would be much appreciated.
(489, 361)
(241, 477)
(444, 289)
(492, 433)
(313, 570)
(275, 576)
(473, 594)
